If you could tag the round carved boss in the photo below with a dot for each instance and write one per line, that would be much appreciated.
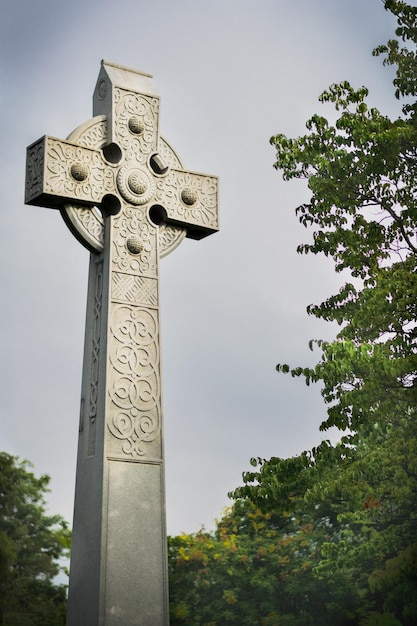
(135, 185)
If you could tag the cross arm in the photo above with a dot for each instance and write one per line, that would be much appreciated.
(188, 199)
(59, 171)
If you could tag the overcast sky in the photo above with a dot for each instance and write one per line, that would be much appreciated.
(230, 73)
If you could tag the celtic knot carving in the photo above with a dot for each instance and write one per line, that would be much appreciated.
(133, 222)
(96, 334)
(169, 238)
(135, 392)
(134, 289)
(190, 197)
(91, 134)
(90, 221)
(95, 355)
(61, 157)
(34, 170)
(136, 124)
(168, 154)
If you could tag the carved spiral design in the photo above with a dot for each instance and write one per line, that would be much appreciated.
(135, 184)
(135, 392)
(133, 232)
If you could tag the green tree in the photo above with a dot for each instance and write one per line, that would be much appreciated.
(361, 172)
(256, 569)
(31, 545)
(241, 573)
(360, 504)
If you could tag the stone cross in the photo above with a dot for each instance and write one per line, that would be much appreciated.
(124, 193)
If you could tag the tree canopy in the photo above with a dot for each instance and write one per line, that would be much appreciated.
(328, 537)
(31, 546)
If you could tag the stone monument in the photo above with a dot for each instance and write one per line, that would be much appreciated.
(126, 196)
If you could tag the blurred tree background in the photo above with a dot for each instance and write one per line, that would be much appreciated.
(32, 544)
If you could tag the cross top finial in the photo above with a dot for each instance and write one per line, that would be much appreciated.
(116, 160)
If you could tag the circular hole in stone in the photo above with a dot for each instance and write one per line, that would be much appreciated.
(112, 153)
(157, 214)
(110, 205)
(158, 165)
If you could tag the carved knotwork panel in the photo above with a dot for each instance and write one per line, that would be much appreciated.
(66, 172)
(134, 289)
(189, 197)
(95, 356)
(135, 248)
(134, 390)
(136, 124)
(34, 170)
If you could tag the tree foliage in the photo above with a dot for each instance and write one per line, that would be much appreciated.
(31, 544)
(331, 532)
(247, 573)
(362, 175)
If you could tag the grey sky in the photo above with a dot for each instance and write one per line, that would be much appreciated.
(230, 73)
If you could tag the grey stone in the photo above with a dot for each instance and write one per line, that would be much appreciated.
(125, 195)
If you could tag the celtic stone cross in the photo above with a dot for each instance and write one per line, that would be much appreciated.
(124, 193)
